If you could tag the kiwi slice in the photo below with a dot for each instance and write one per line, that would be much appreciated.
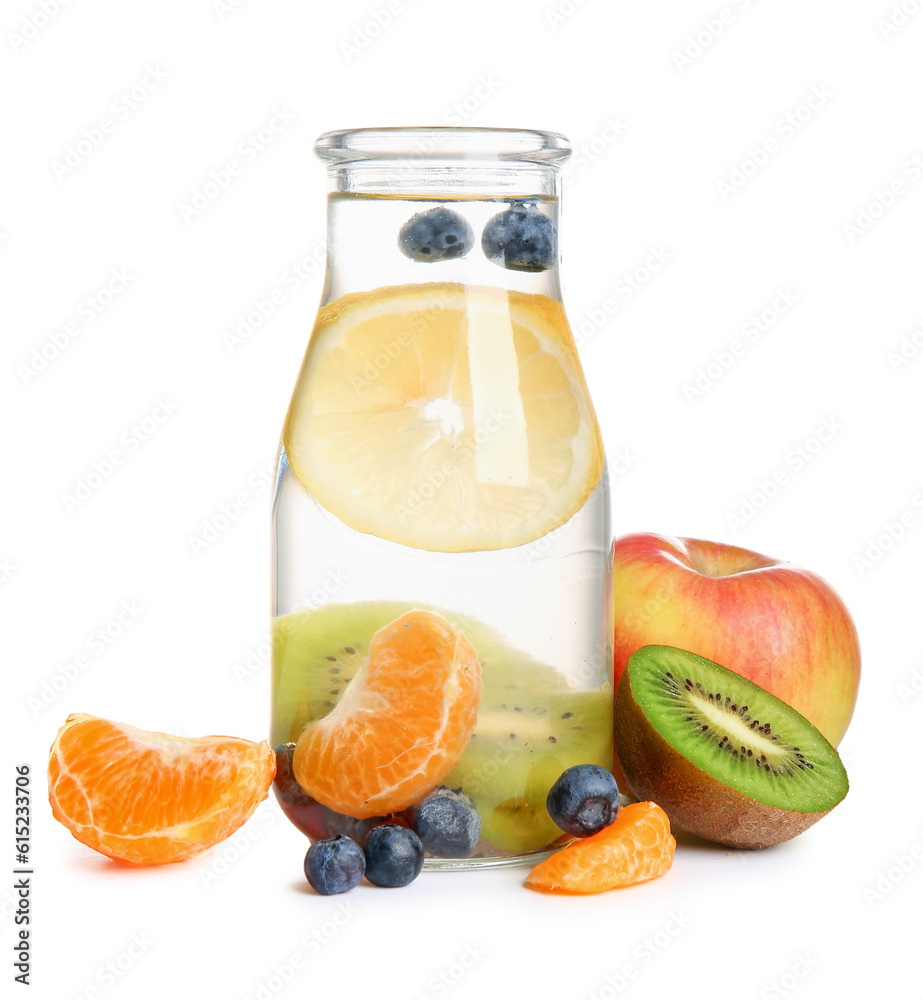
(724, 758)
(531, 724)
(518, 751)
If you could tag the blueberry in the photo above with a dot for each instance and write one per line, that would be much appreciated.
(335, 865)
(447, 823)
(393, 856)
(521, 239)
(438, 234)
(287, 788)
(584, 800)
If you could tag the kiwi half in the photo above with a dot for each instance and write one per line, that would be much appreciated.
(532, 724)
(725, 759)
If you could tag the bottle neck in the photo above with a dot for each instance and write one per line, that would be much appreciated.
(501, 221)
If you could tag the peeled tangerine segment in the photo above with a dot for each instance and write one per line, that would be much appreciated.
(531, 723)
(402, 724)
(149, 798)
(445, 417)
(638, 846)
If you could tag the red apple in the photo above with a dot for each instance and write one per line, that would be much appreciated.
(781, 626)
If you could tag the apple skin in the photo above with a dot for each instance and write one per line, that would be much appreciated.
(775, 623)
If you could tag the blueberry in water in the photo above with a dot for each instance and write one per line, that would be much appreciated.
(521, 239)
(447, 823)
(334, 866)
(584, 800)
(336, 824)
(393, 856)
(287, 788)
(437, 234)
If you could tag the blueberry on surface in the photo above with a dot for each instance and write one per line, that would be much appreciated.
(334, 866)
(584, 800)
(393, 856)
(437, 234)
(447, 823)
(521, 239)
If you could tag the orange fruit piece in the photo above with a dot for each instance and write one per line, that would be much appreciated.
(150, 798)
(638, 846)
(401, 725)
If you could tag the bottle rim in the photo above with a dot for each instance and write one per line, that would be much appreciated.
(419, 144)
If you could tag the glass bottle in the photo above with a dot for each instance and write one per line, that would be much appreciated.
(441, 458)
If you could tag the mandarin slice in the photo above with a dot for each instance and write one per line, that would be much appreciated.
(402, 724)
(149, 798)
(638, 846)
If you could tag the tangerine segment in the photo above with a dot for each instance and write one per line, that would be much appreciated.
(402, 724)
(150, 798)
(445, 417)
(638, 846)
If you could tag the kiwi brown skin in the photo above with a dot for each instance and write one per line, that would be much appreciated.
(694, 800)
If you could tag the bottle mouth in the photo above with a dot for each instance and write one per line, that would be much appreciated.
(422, 144)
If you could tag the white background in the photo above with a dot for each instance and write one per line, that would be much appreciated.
(833, 912)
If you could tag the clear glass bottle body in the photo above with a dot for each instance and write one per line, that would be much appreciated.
(536, 610)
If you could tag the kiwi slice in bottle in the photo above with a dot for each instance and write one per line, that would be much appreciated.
(724, 758)
(532, 724)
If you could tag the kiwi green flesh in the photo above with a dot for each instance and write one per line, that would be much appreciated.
(316, 653)
(531, 726)
(726, 760)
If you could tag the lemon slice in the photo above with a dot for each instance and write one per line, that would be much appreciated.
(444, 417)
